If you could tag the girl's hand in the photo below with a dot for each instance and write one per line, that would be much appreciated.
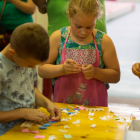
(34, 115)
(88, 71)
(71, 67)
(136, 69)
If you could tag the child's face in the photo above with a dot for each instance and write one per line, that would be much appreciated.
(82, 25)
(28, 62)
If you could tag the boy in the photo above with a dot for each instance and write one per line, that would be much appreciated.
(29, 46)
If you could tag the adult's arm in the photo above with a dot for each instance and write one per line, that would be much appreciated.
(26, 7)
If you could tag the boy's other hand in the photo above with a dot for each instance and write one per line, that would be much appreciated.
(55, 111)
(34, 115)
(71, 67)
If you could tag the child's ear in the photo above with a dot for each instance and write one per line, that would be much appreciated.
(11, 51)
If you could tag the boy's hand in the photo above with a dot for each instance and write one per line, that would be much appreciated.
(88, 71)
(55, 111)
(136, 69)
(71, 67)
(34, 115)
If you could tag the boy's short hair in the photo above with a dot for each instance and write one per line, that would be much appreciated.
(30, 40)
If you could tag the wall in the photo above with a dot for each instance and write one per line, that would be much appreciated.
(41, 19)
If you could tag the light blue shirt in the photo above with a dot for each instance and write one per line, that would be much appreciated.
(16, 89)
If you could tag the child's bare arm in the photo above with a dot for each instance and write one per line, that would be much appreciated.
(22, 113)
(112, 72)
(136, 69)
(41, 100)
(52, 71)
(48, 70)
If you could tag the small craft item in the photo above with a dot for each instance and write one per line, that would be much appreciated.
(64, 131)
(42, 127)
(66, 127)
(91, 114)
(70, 113)
(52, 121)
(64, 120)
(90, 118)
(46, 124)
(67, 136)
(73, 114)
(69, 118)
(65, 109)
(39, 136)
(94, 109)
(76, 122)
(82, 108)
(27, 124)
(116, 118)
(76, 109)
(103, 118)
(93, 125)
(52, 137)
(27, 131)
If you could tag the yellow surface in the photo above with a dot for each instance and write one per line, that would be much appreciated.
(108, 129)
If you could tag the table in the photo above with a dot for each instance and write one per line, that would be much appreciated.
(109, 129)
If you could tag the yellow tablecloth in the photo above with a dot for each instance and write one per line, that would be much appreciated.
(109, 129)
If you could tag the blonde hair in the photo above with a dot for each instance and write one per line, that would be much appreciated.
(88, 7)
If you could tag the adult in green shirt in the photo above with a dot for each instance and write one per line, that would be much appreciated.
(16, 12)
(57, 15)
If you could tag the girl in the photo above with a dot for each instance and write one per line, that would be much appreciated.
(57, 18)
(86, 58)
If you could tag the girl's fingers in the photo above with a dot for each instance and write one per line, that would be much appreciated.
(70, 61)
(73, 70)
(87, 72)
